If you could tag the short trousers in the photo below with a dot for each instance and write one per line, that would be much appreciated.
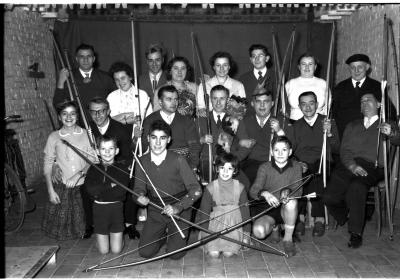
(108, 218)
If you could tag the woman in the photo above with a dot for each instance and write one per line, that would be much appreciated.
(124, 102)
(64, 216)
(307, 64)
(179, 72)
(222, 63)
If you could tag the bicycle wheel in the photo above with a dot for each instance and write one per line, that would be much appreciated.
(14, 200)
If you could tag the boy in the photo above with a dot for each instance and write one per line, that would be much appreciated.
(108, 216)
(306, 135)
(271, 176)
(177, 185)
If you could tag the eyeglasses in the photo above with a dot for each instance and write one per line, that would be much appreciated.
(98, 112)
(258, 56)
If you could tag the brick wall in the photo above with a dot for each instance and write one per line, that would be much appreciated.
(362, 32)
(27, 40)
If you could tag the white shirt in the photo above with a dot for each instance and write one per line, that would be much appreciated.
(312, 121)
(215, 115)
(127, 102)
(260, 123)
(83, 73)
(167, 118)
(361, 82)
(156, 77)
(371, 121)
(235, 88)
(263, 72)
(158, 159)
(104, 128)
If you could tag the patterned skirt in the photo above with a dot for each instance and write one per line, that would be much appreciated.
(66, 220)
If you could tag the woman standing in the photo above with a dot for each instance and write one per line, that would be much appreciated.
(63, 215)
(179, 73)
(307, 64)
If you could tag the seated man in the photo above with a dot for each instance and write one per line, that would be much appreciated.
(346, 193)
(306, 135)
(177, 187)
(271, 176)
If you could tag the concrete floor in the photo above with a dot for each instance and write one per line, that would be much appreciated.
(323, 257)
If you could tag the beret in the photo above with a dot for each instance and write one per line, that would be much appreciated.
(358, 57)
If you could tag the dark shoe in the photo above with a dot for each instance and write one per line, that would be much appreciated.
(340, 223)
(275, 236)
(88, 233)
(355, 240)
(132, 232)
(300, 228)
(289, 248)
(319, 229)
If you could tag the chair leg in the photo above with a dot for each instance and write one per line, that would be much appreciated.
(378, 210)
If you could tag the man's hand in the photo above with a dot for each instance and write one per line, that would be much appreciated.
(137, 132)
(385, 128)
(304, 166)
(56, 174)
(285, 196)
(275, 124)
(270, 198)
(247, 143)
(206, 139)
(143, 200)
(54, 198)
(170, 210)
(326, 125)
(358, 170)
(63, 76)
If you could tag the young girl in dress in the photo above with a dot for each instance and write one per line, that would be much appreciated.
(221, 199)
(63, 215)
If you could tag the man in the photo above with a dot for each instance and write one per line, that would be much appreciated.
(221, 133)
(345, 195)
(347, 94)
(261, 60)
(150, 81)
(184, 135)
(177, 187)
(90, 82)
(259, 125)
(99, 110)
(307, 135)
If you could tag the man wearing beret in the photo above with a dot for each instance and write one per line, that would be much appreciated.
(347, 94)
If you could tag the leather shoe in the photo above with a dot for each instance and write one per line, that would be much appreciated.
(289, 248)
(355, 240)
(132, 232)
(276, 236)
(319, 229)
(88, 233)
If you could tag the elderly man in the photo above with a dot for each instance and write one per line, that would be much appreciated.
(346, 193)
(346, 95)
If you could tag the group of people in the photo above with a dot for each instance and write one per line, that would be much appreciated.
(213, 153)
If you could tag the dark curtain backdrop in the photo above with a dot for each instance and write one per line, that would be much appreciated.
(112, 41)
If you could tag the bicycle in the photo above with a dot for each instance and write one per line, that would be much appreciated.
(16, 194)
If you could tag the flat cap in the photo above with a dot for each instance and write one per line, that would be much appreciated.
(358, 57)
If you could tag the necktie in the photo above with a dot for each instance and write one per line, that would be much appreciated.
(260, 77)
(367, 123)
(262, 123)
(219, 121)
(154, 84)
(87, 78)
(358, 85)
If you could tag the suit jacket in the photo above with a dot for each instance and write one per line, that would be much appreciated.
(146, 85)
(346, 101)
(123, 135)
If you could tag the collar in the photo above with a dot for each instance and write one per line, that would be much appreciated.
(264, 71)
(265, 120)
(79, 130)
(215, 115)
(361, 82)
(158, 159)
(83, 73)
(104, 128)
(281, 170)
(312, 121)
(157, 76)
(167, 118)
(372, 120)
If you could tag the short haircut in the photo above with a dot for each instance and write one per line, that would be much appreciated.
(66, 104)
(282, 139)
(167, 88)
(308, 93)
(99, 100)
(221, 54)
(106, 138)
(227, 158)
(153, 48)
(261, 92)
(120, 66)
(84, 47)
(258, 47)
(219, 87)
(307, 54)
(160, 125)
(189, 69)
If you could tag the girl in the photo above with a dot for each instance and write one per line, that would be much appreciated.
(221, 199)
(63, 215)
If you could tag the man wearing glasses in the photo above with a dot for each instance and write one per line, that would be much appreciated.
(261, 61)
(90, 82)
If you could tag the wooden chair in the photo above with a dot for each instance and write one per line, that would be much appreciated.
(378, 194)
